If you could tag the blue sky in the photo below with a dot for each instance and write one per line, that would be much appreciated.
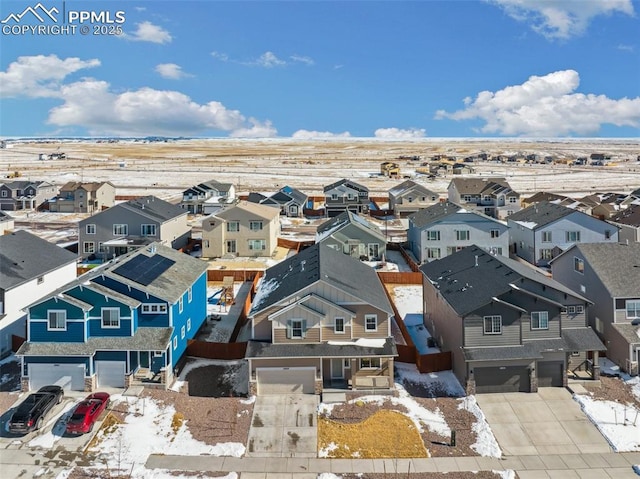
(389, 69)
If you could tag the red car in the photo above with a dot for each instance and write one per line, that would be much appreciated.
(86, 413)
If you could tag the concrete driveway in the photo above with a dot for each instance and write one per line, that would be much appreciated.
(546, 422)
(284, 426)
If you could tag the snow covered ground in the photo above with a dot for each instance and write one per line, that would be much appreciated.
(408, 301)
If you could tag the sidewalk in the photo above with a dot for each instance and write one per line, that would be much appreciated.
(567, 466)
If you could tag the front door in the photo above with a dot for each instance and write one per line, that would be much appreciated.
(144, 359)
(336, 369)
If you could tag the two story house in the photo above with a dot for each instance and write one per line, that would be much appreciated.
(491, 196)
(127, 320)
(30, 268)
(508, 327)
(25, 195)
(542, 231)
(320, 320)
(207, 197)
(346, 195)
(628, 220)
(608, 274)
(409, 197)
(289, 200)
(390, 169)
(244, 229)
(130, 225)
(78, 197)
(353, 235)
(444, 228)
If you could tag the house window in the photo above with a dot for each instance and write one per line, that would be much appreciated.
(583, 288)
(509, 212)
(573, 236)
(258, 244)
(633, 309)
(423, 199)
(410, 199)
(350, 196)
(189, 324)
(296, 328)
(88, 247)
(433, 235)
(154, 308)
(546, 253)
(120, 230)
(233, 226)
(512, 199)
(175, 342)
(338, 325)
(101, 248)
(346, 364)
(370, 323)
(546, 236)
(374, 250)
(255, 225)
(189, 294)
(148, 230)
(91, 229)
(57, 320)
(466, 198)
(231, 246)
(180, 304)
(494, 233)
(40, 279)
(334, 196)
(578, 265)
(110, 317)
(571, 310)
(182, 332)
(492, 324)
(433, 253)
(579, 309)
(369, 363)
(462, 235)
(4, 193)
(539, 320)
(607, 234)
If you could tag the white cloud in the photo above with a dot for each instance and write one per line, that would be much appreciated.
(223, 57)
(171, 71)
(257, 129)
(311, 134)
(148, 32)
(546, 106)
(302, 59)
(269, 60)
(400, 134)
(561, 19)
(40, 75)
(626, 48)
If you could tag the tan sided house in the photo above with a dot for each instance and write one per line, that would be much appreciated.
(245, 229)
(320, 320)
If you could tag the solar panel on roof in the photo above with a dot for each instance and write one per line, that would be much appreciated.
(144, 269)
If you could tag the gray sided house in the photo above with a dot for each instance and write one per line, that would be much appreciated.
(290, 201)
(30, 268)
(78, 197)
(491, 196)
(207, 197)
(444, 228)
(130, 225)
(608, 274)
(25, 195)
(320, 320)
(353, 235)
(542, 231)
(346, 195)
(628, 220)
(508, 327)
(409, 197)
(7, 223)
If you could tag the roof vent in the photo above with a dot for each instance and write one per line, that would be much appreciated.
(476, 260)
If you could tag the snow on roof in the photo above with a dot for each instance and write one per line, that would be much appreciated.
(363, 342)
(265, 288)
(527, 224)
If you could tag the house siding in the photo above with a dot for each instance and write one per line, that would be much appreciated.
(358, 324)
(474, 328)
(328, 333)
(312, 335)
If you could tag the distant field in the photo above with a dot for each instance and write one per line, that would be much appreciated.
(166, 168)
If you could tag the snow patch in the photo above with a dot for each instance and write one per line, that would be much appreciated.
(486, 444)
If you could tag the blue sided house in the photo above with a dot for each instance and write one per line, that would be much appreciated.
(123, 323)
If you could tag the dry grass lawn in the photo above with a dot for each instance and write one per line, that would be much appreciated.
(385, 434)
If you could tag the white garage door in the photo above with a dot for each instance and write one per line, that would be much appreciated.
(286, 380)
(68, 376)
(110, 373)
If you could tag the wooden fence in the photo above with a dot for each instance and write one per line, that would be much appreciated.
(396, 277)
(295, 245)
(246, 307)
(16, 342)
(238, 274)
(209, 350)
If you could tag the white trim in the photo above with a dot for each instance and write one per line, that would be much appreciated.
(64, 311)
(102, 325)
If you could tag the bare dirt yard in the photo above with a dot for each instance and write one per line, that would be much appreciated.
(613, 389)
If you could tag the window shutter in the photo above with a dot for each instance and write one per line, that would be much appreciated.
(289, 329)
(304, 328)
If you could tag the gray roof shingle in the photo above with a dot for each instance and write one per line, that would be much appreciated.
(257, 349)
(154, 207)
(542, 214)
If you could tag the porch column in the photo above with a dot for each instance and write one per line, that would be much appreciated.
(596, 365)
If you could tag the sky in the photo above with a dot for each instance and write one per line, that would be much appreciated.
(320, 69)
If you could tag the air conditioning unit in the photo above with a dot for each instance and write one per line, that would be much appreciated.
(632, 367)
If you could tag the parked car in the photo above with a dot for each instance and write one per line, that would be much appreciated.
(30, 413)
(86, 413)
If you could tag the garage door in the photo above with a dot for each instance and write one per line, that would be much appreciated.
(503, 379)
(286, 380)
(550, 374)
(110, 373)
(68, 376)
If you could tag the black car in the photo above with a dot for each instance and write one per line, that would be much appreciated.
(30, 413)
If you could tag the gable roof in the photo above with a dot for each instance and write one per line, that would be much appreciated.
(259, 210)
(476, 186)
(343, 219)
(320, 263)
(467, 287)
(542, 214)
(629, 216)
(434, 213)
(545, 196)
(616, 264)
(410, 185)
(296, 195)
(347, 184)
(24, 257)
(153, 207)
(90, 186)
